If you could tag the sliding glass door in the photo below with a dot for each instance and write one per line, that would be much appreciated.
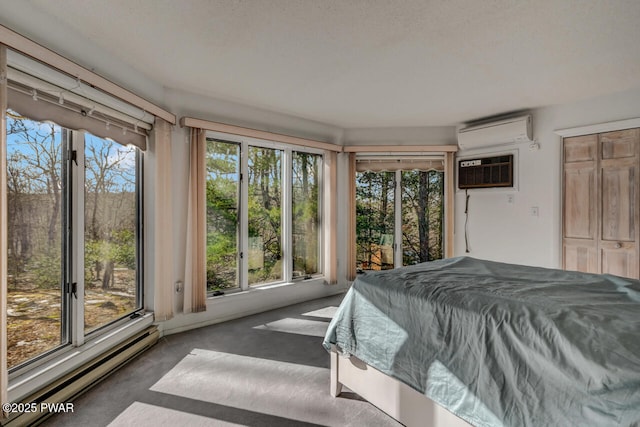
(399, 217)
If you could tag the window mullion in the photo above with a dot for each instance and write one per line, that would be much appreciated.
(397, 199)
(323, 186)
(77, 238)
(243, 239)
(287, 216)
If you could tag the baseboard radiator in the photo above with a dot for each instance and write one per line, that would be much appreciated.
(68, 387)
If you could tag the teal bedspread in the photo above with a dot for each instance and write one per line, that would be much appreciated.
(501, 344)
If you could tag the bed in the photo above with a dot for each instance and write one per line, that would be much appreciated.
(464, 341)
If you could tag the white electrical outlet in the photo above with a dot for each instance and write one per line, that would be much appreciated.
(510, 199)
(534, 211)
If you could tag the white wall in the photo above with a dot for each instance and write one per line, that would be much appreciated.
(431, 135)
(508, 232)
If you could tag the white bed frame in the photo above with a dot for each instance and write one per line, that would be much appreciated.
(395, 398)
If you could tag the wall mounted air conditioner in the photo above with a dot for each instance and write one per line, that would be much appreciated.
(516, 129)
(486, 172)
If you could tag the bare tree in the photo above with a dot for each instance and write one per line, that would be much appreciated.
(106, 177)
(34, 169)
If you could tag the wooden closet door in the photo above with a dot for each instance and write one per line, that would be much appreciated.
(580, 208)
(618, 211)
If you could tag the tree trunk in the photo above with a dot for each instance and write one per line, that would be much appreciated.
(53, 220)
(308, 216)
(107, 278)
(423, 215)
(370, 226)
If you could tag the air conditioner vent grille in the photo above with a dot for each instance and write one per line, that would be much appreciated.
(486, 172)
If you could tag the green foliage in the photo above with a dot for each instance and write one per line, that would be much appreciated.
(47, 270)
(121, 249)
(221, 261)
(222, 204)
(16, 265)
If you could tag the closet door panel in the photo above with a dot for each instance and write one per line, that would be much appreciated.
(619, 261)
(581, 149)
(580, 256)
(618, 203)
(619, 144)
(580, 202)
(619, 216)
(580, 206)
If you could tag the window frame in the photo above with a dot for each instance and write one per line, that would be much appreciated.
(287, 209)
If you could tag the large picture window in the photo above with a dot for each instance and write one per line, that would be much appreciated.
(263, 214)
(73, 185)
(51, 170)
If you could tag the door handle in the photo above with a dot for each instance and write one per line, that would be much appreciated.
(617, 245)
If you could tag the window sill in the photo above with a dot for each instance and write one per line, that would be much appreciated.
(268, 286)
(31, 379)
(241, 303)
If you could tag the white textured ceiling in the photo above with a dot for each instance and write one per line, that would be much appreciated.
(372, 63)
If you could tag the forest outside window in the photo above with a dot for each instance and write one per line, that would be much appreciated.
(263, 213)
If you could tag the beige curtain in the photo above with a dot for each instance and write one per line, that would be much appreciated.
(163, 223)
(351, 230)
(330, 214)
(195, 286)
(4, 378)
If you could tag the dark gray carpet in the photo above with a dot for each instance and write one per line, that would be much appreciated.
(268, 369)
